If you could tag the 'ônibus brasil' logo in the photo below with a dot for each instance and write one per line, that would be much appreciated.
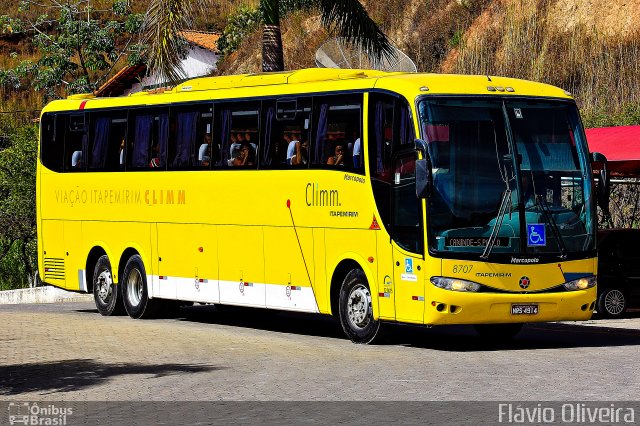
(524, 282)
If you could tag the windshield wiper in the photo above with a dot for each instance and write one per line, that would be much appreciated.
(554, 227)
(506, 199)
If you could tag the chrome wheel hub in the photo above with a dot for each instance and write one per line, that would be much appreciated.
(134, 287)
(105, 286)
(359, 306)
(614, 302)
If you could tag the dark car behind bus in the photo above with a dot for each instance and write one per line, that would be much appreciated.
(618, 271)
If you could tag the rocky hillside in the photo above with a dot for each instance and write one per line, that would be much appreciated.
(590, 47)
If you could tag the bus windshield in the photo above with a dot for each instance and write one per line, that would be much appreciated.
(509, 176)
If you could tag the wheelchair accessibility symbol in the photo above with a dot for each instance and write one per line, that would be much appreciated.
(536, 235)
(408, 265)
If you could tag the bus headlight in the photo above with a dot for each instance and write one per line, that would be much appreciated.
(454, 284)
(581, 283)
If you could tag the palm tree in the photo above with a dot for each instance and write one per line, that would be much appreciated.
(167, 18)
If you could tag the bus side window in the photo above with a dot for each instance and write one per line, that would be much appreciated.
(187, 135)
(52, 129)
(238, 134)
(147, 139)
(205, 148)
(108, 133)
(286, 130)
(76, 141)
(338, 124)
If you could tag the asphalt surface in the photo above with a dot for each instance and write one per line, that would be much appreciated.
(69, 352)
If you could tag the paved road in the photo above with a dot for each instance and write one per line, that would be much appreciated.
(69, 352)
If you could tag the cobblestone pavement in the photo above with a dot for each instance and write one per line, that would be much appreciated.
(70, 352)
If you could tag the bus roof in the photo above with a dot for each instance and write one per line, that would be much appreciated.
(317, 80)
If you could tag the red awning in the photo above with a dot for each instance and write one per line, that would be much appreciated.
(621, 146)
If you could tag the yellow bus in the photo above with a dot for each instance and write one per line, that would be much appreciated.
(370, 196)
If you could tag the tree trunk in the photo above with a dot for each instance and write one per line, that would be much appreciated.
(272, 56)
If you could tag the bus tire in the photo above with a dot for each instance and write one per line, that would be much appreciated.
(135, 292)
(106, 293)
(355, 309)
(498, 332)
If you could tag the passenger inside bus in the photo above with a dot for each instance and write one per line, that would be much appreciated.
(337, 159)
(76, 160)
(245, 156)
(301, 153)
(292, 144)
(204, 152)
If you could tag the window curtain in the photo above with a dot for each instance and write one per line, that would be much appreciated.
(379, 136)
(267, 155)
(185, 139)
(225, 116)
(163, 138)
(319, 149)
(100, 142)
(407, 133)
(142, 141)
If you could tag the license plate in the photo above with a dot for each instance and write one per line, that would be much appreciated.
(530, 309)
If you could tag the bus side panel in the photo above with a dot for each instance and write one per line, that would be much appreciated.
(187, 270)
(356, 245)
(75, 260)
(241, 265)
(322, 278)
(53, 252)
(386, 294)
(287, 281)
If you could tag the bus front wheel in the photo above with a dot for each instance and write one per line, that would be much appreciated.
(355, 309)
(135, 292)
(106, 293)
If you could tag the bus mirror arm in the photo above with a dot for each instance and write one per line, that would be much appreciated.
(603, 189)
(423, 170)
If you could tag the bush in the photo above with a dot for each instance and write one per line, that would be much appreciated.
(18, 248)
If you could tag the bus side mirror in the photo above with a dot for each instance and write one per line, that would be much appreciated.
(423, 169)
(603, 188)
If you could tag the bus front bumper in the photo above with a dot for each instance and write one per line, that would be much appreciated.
(452, 307)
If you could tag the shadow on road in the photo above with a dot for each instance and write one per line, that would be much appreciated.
(452, 338)
(76, 374)
(443, 338)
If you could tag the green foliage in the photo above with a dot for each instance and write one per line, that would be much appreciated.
(77, 46)
(456, 38)
(239, 25)
(246, 19)
(601, 116)
(18, 258)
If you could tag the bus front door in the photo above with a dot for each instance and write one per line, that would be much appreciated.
(407, 236)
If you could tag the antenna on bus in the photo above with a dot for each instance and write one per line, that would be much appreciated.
(337, 53)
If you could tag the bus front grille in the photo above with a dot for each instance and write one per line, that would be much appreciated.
(53, 268)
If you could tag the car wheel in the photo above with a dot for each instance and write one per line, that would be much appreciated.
(498, 332)
(355, 309)
(106, 293)
(612, 303)
(135, 292)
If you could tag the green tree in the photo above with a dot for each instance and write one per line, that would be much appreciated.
(78, 45)
(18, 206)
(165, 20)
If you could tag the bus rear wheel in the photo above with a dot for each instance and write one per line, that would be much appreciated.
(135, 292)
(106, 293)
(355, 309)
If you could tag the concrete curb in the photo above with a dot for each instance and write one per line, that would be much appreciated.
(46, 294)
